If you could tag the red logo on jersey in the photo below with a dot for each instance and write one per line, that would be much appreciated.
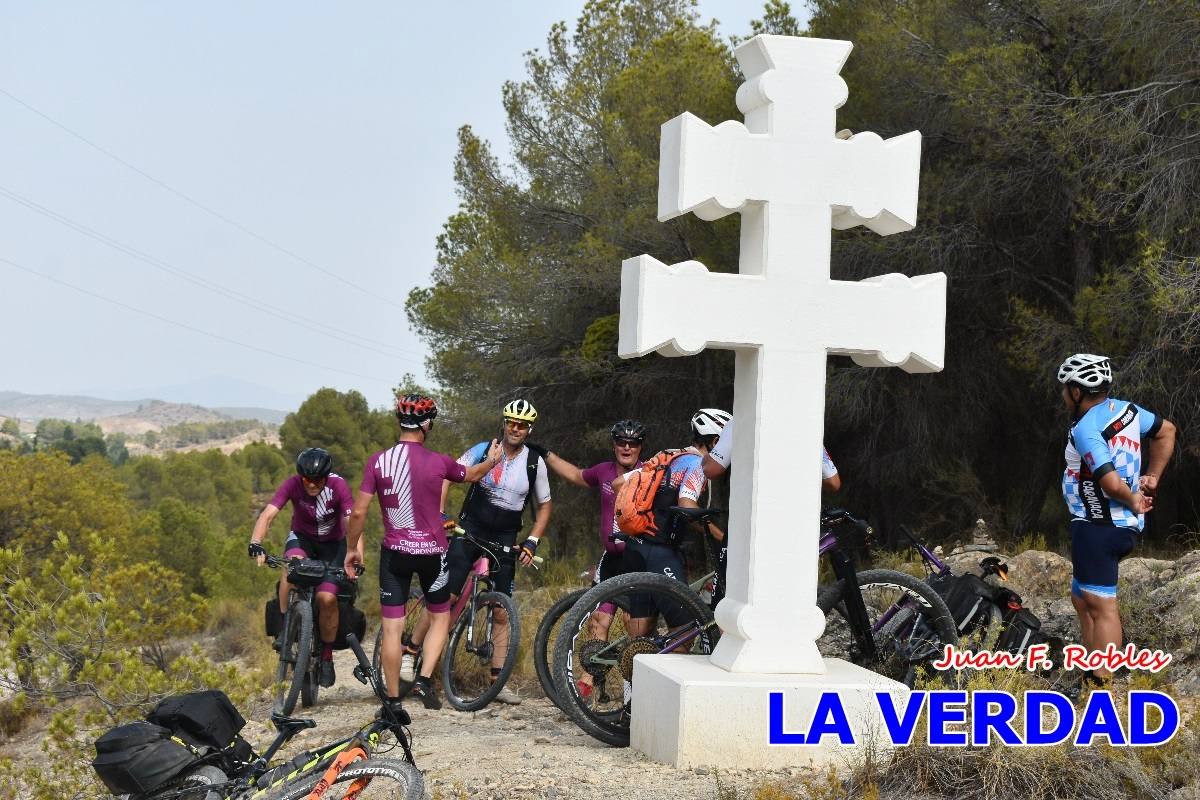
(1088, 458)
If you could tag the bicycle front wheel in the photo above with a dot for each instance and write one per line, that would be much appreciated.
(908, 624)
(294, 655)
(594, 676)
(390, 779)
(467, 668)
(543, 642)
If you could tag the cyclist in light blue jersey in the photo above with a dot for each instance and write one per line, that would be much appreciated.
(1107, 488)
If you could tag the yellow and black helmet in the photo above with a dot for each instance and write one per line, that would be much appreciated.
(522, 410)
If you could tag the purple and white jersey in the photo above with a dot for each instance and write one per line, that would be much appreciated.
(407, 479)
(322, 517)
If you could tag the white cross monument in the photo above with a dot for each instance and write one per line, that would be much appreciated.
(792, 180)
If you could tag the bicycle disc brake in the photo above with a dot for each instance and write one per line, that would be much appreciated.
(587, 658)
(640, 646)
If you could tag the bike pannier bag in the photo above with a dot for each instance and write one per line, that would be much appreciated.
(236, 756)
(139, 757)
(634, 507)
(272, 618)
(1021, 629)
(969, 598)
(306, 572)
(350, 620)
(202, 718)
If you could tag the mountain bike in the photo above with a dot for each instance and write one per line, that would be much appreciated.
(467, 663)
(298, 673)
(345, 769)
(884, 620)
(543, 640)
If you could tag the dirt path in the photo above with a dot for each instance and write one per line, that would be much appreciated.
(518, 752)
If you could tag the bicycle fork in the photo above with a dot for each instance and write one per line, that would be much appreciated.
(856, 609)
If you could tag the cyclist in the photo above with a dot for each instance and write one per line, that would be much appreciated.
(1107, 490)
(408, 479)
(321, 502)
(628, 436)
(682, 485)
(716, 463)
(492, 512)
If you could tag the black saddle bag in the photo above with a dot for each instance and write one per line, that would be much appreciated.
(205, 719)
(139, 757)
(969, 598)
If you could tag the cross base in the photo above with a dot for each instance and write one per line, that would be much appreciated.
(689, 713)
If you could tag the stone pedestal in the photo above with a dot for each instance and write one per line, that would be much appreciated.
(690, 713)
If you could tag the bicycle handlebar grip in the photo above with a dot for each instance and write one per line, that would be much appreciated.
(363, 661)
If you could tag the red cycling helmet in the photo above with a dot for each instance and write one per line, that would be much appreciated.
(413, 410)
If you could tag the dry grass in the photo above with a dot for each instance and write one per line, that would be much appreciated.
(236, 630)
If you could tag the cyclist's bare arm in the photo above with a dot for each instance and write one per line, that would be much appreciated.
(477, 471)
(261, 526)
(354, 530)
(565, 469)
(1116, 488)
(1158, 452)
(712, 467)
(712, 528)
(832, 484)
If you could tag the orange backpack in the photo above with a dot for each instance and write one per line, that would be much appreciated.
(634, 507)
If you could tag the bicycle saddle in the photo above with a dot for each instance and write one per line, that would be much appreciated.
(291, 725)
(696, 513)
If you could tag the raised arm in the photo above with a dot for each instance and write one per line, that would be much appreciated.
(476, 471)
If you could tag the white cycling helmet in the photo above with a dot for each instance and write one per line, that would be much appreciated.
(1088, 371)
(710, 421)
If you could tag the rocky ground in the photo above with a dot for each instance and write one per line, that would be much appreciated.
(512, 752)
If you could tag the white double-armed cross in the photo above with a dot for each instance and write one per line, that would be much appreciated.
(792, 180)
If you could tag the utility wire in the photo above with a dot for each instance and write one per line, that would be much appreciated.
(165, 266)
(189, 199)
(185, 326)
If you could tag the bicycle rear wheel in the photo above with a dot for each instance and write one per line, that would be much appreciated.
(909, 624)
(594, 677)
(412, 617)
(194, 785)
(294, 656)
(543, 642)
(466, 671)
(391, 779)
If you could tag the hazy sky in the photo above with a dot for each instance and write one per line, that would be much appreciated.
(324, 130)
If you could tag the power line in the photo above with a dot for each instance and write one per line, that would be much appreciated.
(217, 288)
(189, 199)
(187, 327)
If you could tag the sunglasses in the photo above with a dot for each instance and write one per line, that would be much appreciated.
(627, 443)
(312, 481)
(517, 424)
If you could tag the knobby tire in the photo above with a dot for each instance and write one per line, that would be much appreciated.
(458, 665)
(298, 638)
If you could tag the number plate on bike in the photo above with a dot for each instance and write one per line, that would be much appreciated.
(306, 572)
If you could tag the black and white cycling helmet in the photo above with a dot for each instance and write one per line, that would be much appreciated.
(1089, 372)
(629, 429)
(710, 421)
(314, 464)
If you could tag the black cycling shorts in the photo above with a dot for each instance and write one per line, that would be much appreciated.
(396, 569)
(610, 566)
(463, 555)
(1096, 550)
(331, 552)
(643, 556)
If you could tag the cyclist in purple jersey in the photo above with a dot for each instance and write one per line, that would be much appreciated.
(320, 503)
(1107, 491)
(628, 436)
(408, 479)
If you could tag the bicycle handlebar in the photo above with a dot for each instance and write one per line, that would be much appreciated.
(486, 545)
(275, 562)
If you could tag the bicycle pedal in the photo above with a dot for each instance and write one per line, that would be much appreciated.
(361, 674)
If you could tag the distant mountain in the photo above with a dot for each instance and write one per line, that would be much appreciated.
(216, 391)
(269, 415)
(128, 416)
